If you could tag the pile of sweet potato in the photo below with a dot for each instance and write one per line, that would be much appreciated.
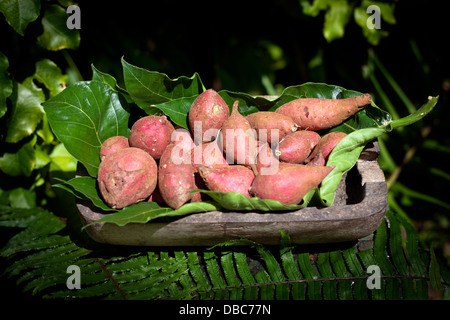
(270, 155)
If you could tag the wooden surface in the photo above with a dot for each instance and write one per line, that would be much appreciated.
(360, 206)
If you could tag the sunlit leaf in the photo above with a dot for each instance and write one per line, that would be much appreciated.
(27, 111)
(56, 35)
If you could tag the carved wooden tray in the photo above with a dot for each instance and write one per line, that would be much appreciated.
(360, 206)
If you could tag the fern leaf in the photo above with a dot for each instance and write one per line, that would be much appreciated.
(329, 285)
(231, 276)
(248, 281)
(306, 267)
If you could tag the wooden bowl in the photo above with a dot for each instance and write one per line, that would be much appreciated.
(360, 206)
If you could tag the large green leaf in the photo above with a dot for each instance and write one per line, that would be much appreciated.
(27, 111)
(56, 35)
(19, 13)
(83, 116)
(148, 88)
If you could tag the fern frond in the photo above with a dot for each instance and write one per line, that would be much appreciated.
(38, 258)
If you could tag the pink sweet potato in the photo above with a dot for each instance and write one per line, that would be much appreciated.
(113, 144)
(237, 139)
(317, 114)
(182, 138)
(175, 176)
(264, 122)
(290, 183)
(152, 134)
(325, 146)
(127, 176)
(266, 160)
(234, 178)
(206, 116)
(297, 146)
(208, 154)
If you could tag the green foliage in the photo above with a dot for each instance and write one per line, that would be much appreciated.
(40, 255)
(338, 14)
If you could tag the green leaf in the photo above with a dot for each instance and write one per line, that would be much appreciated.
(48, 73)
(6, 84)
(336, 18)
(344, 157)
(237, 201)
(20, 162)
(83, 116)
(85, 188)
(56, 35)
(27, 111)
(145, 211)
(19, 13)
(148, 88)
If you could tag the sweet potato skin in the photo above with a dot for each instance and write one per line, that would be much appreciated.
(210, 111)
(127, 176)
(290, 183)
(324, 147)
(113, 144)
(317, 114)
(266, 120)
(233, 178)
(175, 176)
(208, 154)
(152, 134)
(297, 146)
(237, 139)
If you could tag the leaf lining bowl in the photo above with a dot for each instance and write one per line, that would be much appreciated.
(359, 208)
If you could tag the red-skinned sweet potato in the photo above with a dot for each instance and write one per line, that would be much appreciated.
(208, 154)
(175, 176)
(127, 176)
(264, 122)
(317, 114)
(290, 183)
(266, 160)
(234, 178)
(182, 138)
(325, 145)
(206, 116)
(297, 146)
(113, 144)
(152, 134)
(237, 139)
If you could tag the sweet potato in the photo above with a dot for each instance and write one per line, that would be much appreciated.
(234, 178)
(317, 114)
(325, 146)
(290, 183)
(237, 139)
(175, 176)
(206, 116)
(297, 146)
(113, 144)
(127, 176)
(182, 138)
(208, 154)
(152, 134)
(264, 122)
(266, 160)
